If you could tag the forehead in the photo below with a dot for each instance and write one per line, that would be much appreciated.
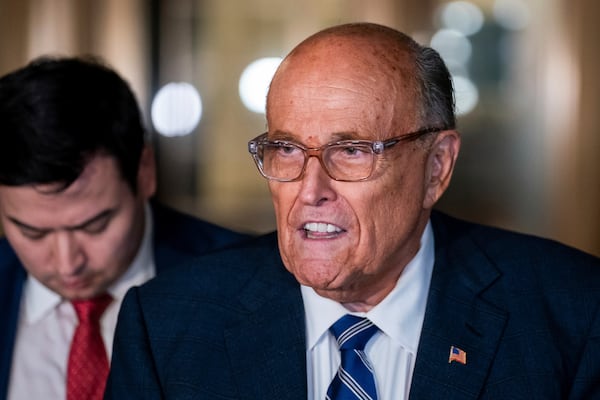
(341, 85)
(99, 186)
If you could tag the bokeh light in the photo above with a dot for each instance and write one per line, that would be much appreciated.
(462, 16)
(254, 83)
(467, 95)
(512, 14)
(176, 109)
(453, 46)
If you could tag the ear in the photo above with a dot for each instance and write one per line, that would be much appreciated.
(440, 165)
(146, 179)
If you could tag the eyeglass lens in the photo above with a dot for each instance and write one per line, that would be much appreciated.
(341, 161)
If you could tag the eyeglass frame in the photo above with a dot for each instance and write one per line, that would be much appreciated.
(376, 146)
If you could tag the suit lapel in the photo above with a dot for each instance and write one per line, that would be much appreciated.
(11, 286)
(267, 349)
(457, 315)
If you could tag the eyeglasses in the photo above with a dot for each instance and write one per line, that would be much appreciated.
(345, 160)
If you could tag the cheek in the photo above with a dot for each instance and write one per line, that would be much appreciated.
(111, 249)
(116, 247)
(387, 207)
(35, 256)
(377, 200)
(372, 212)
(283, 199)
(129, 236)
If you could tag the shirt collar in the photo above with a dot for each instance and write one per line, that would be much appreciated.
(40, 300)
(399, 315)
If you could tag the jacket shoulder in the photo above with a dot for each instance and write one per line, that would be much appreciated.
(501, 243)
(175, 231)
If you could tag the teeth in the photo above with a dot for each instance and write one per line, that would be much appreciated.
(321, 227)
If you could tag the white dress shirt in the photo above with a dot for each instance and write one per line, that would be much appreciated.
(393, 350)
(47, 324)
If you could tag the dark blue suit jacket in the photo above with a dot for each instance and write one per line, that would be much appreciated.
(526, 311)
(177, 237)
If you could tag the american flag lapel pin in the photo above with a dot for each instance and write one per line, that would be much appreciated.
(457, 355)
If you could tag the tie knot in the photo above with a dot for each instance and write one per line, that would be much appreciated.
(90, 310)
(352, 332)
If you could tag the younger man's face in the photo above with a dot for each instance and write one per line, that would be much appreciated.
(78, 241)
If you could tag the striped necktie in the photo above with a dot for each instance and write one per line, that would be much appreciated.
(354, 379)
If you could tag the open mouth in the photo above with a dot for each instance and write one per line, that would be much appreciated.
(321, 230)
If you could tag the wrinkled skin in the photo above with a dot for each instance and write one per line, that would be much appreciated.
(336, 88)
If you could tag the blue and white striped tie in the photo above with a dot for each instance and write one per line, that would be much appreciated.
(354, 379)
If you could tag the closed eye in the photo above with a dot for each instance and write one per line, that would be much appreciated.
(33, 233)
(96, 225)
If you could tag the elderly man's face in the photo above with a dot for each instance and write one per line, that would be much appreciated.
(348, 240)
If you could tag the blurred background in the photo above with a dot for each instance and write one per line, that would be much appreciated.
(525, 73)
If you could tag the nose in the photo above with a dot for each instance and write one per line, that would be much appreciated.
(316, 186)
(68, 253)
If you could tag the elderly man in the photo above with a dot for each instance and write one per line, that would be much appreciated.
(361, 144)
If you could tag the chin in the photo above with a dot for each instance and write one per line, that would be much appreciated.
(318, 280)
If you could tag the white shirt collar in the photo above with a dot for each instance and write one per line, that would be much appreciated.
(400, 315)
(39, 300)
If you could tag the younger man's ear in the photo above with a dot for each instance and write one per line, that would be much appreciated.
(146, 179)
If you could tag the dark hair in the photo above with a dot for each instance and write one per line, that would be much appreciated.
(436, 90)
(57, 113)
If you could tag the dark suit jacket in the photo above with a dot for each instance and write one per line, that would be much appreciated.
(176, 237)
(525, 310)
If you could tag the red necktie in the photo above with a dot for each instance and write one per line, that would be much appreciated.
(88, 364)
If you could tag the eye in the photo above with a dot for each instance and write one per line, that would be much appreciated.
(350, 150)
(353, 150)
(33, 234)
(97, 226)
(286, 148)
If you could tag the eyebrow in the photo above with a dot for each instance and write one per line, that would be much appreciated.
(280, 135)
(335, 137)
(83, 225)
